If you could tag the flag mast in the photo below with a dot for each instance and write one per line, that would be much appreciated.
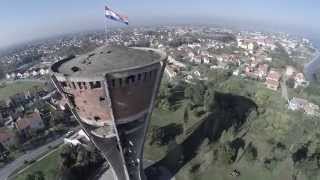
(112, 15)
(105, 28)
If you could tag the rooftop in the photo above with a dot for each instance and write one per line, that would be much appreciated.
(107, 59)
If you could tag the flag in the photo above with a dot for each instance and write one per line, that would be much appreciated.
(110, 14)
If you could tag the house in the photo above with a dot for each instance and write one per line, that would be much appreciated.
(262, 70)
(300, 80)
(290, 71)
(42, 71)
(250, 46)
(236, 72)
(170, 72)
(19, 75)
(311, 109)
(8, 76)
(34, 73)
(13, 75)
(6, 111)
(273, 85)
(206, 60)
(189, 77)
(274, 75)
(272, 80)
(197, 73)
(268, 59)
(301, 104)
(6, 137)
(19, 99)
(4, 153)
(78, 138)
(196, 59)
(297, 104)
(29, 123)
(26, 74)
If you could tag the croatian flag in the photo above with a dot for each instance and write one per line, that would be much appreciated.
(110, 14)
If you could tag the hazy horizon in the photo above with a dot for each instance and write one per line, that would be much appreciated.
(31, 20)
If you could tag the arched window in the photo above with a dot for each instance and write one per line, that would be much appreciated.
(63, 84)
(79, 85)
(74, 85)
(113, 83)
(145, 76)
(85, 85)
(94, 85)
(120, 82)
(130, 79)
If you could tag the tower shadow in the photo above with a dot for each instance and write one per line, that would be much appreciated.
(230, 111)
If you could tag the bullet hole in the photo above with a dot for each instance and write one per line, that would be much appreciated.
(75, 69)
(90, 55)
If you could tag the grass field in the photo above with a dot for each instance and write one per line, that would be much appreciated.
(162, 118)
(48, 165)
(10, 89)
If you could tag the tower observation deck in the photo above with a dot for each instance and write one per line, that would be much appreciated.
(111, 92)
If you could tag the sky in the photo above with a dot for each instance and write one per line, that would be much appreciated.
(25, 20)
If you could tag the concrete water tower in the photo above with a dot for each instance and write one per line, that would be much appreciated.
(111, 92)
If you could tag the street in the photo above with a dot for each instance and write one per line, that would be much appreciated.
(10, 168)
(108, 175)
(284, 88)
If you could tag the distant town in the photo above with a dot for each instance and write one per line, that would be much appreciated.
(32, 117)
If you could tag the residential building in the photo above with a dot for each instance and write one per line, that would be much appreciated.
(309, 108)
(29, 123)
(273, 80)
(300, 80)
(6, 137)
(262, 70)
(273, 85)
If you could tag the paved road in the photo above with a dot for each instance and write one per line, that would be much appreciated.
(6, 171)
(312, 67)
(27, 80)
(284, 88)
(108, 175)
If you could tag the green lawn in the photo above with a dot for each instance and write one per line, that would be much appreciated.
(162, 118)
(10, 89)
(48, 165)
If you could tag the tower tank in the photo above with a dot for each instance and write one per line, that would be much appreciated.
(111, 92)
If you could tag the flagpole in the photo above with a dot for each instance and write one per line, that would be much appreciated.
(105, 31)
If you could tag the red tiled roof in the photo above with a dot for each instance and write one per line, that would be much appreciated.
(5, 135)
(273, 83)
(27, 120)
(274, 75)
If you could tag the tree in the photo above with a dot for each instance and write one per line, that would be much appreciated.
(186, 117)
(2, 73)
(209, 100)
(226, 154)
(195, 92)
(251, 152)
(37, 175)
(170, 95)
(163, 135)
(290, 83)
(79, 162)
